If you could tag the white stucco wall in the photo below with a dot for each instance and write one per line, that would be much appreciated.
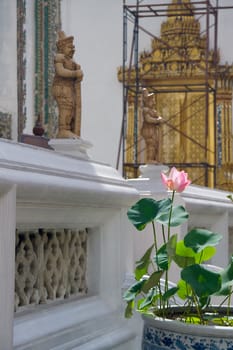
(30, 67)
(97, 29)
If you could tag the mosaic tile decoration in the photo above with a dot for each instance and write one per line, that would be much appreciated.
(21, 64)
(47, 24)
(5, 125)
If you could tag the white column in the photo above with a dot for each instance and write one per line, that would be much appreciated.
(220, 225)
(7, 264)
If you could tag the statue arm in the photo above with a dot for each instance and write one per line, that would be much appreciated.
(152, 117)
(153, 120)
(66, 73)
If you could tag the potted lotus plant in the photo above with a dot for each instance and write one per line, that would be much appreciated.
(194, 323)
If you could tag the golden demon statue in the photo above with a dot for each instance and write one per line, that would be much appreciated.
(67, 88)
(151, 128)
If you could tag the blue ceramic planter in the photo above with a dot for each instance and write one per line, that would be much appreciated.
(159, 334)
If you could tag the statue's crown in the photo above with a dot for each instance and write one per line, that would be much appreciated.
(63, 39)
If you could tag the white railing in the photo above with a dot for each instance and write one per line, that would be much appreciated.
(45, 196)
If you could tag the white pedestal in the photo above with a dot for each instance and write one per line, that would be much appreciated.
(152, 171)
(74, 147)
(149, 182)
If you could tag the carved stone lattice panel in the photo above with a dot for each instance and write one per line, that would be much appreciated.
(5, 125)
(50, 265)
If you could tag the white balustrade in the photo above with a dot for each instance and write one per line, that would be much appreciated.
(63, 242)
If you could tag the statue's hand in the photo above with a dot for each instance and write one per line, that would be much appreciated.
(79, 74)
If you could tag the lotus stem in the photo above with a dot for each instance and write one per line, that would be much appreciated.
(170, 216)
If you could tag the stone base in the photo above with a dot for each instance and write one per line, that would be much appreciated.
(149, 182)
(35, 140)
(74, 147)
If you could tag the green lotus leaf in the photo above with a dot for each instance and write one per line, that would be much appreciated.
(161, 258)
(179, 215)
(129, 309)
(183, 256)
(135, 289)
(171, 246)
(227, 279)
(146, 210)
(150, 298)
(198, 239)
(143, 264)
(184, 290)
(152, 281)
(203, 281)
(186, 256)
(170, 293)
(206, 254)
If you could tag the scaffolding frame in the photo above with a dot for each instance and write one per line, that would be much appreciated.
(134, 13)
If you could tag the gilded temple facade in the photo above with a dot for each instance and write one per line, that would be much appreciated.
(193, 94)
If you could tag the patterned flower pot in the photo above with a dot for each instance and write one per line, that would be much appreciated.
(159, 334)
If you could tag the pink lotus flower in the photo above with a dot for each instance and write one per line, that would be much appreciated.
(176, 180)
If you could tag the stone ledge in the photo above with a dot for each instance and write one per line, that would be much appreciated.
(74, 147)
(79, 324)
(44, 176)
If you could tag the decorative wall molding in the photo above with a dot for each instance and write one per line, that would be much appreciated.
(21, 64)
(50, 265)
(47, 24)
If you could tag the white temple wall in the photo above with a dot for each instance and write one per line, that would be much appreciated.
(97, 30)
(30, 67)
